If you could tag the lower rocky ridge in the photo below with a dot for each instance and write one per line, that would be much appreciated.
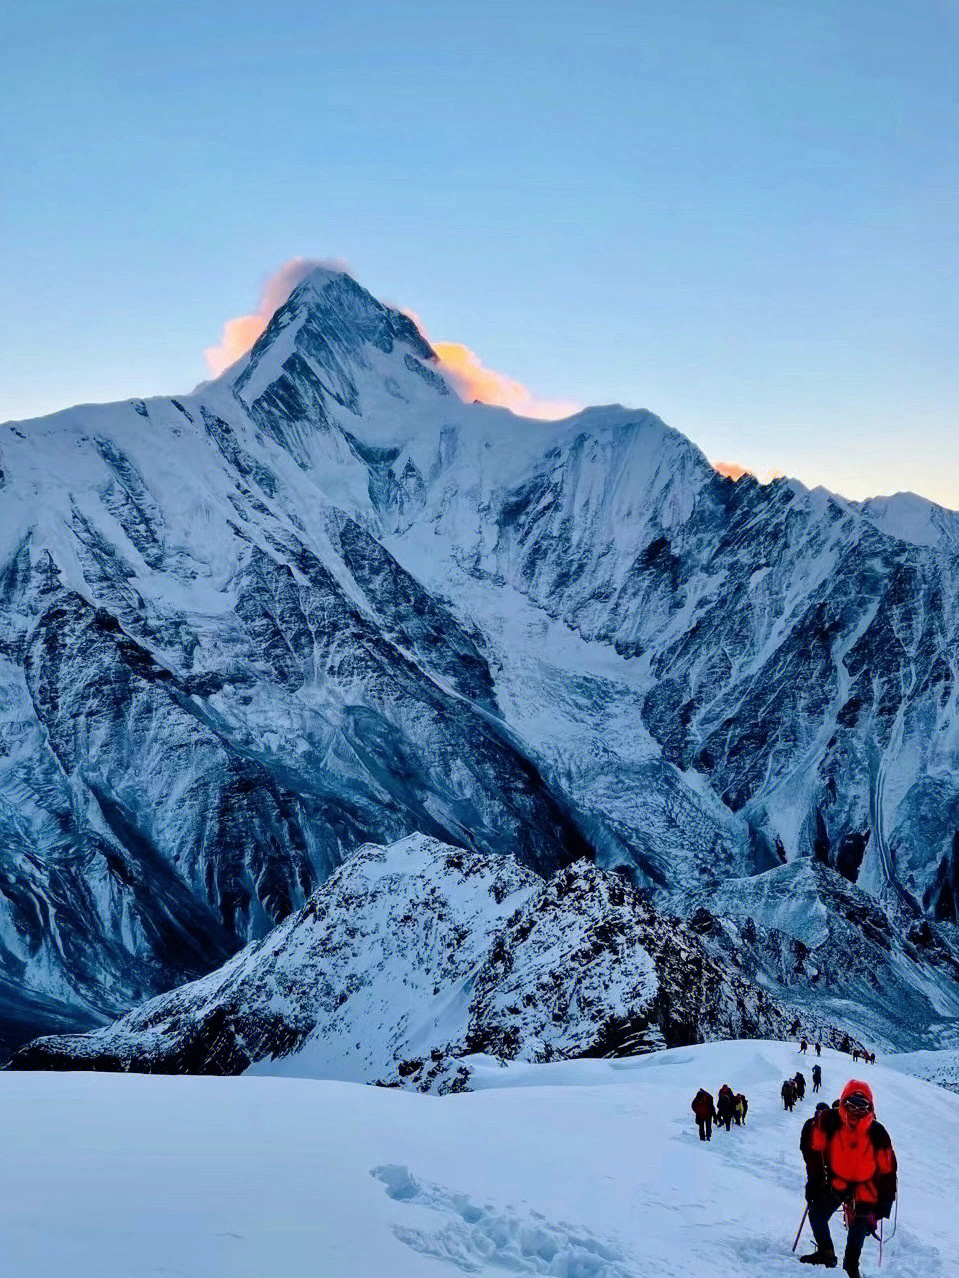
(416, 955)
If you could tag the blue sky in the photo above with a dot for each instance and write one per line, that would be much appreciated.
(739, 215)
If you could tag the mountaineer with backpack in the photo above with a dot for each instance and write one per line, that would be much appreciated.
(788, 1093)
(850, 1162)
(724, 1108)
(816, 1077)
(704, 1111)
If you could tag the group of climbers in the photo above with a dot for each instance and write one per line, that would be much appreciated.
(730, 1107)
(857, 1053)
(794, 1089)
(849, 1158)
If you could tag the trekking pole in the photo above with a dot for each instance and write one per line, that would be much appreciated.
(895, 1221)
(799, 1230)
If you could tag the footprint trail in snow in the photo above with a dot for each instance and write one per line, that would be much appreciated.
(472, 1237)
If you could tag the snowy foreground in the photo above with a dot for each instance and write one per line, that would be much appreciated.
(585, 1169)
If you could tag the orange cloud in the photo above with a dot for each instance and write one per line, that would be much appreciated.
(240, 333)
(473, 380)
(735, 472)
(732, 470)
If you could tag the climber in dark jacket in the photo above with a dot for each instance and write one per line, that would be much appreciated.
(705, 1112)
(724, 1109)
(816, 1077)
(788, 1093)
(800, 1084)
(850, 1162)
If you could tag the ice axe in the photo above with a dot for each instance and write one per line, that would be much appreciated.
(800, 1229)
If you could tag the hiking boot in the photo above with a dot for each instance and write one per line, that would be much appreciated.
(817, 1257)
(851, 1267)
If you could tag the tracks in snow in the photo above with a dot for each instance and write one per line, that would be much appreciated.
(473, 1238)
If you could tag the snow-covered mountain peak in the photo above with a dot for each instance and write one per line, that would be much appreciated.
(322, 600)
(413, 955)
(326, 333)
(914, 519)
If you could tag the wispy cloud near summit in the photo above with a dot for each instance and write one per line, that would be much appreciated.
(473, 380)
(735, 472)
(241, 332)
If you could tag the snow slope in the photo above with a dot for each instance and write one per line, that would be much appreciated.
(588, 1169)
(909, 517)
(941, 1066)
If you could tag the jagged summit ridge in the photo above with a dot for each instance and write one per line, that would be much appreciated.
(323, 327)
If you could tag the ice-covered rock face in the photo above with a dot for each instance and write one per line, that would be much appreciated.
(322, 601)
(821, 944)
(413, 956)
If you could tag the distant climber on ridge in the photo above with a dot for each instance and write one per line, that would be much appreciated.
(850, 1162)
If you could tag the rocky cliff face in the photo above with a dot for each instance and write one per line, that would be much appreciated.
(321, 601)
(414, 956)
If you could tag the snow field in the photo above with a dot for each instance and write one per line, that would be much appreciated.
(583, 1169)
(941, 1066)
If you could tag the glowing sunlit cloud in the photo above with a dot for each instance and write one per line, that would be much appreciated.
(735, 472)
(732, 470)
(473, 380)
(240, 333)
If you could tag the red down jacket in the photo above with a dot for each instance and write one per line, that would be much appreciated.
(702, 1105)
(853, 1163)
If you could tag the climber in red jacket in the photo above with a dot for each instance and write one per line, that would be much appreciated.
(705, 1111)
(850, 1162)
